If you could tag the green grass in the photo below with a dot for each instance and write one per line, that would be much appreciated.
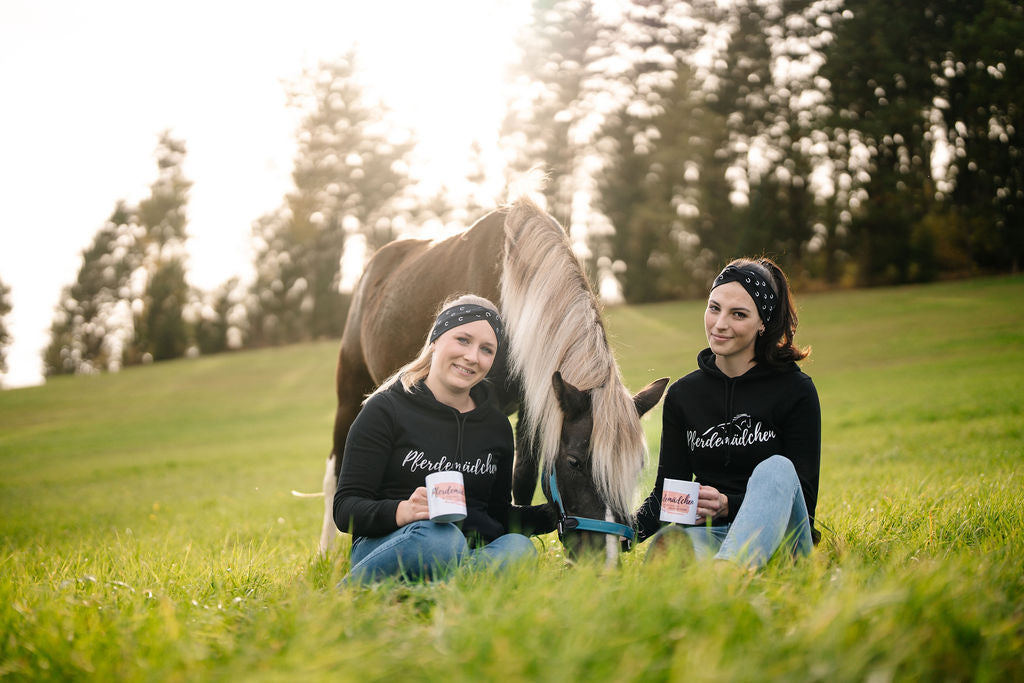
(147, 531)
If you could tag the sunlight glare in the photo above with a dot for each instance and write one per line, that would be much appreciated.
(441, 67)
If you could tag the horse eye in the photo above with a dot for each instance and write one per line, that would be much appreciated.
(574, 462)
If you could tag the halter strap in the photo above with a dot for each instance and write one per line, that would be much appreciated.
(573, 523)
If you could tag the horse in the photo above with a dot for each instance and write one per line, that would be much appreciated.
(577, 423)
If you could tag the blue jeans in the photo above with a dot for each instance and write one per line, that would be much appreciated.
(425, 550)
(773, 515)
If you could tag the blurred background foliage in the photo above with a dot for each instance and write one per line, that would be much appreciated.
(857, 142)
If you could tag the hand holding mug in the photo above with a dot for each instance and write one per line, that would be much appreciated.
(413, 509)
(711, 503)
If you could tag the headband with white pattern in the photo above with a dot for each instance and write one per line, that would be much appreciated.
(462, 314)
(757, 287)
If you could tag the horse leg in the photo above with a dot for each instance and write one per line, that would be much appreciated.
(327, 530)
(524, 474)
(353, 382)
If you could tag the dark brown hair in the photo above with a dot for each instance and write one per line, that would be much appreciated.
(775, 347)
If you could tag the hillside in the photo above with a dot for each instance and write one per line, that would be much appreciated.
(148, 530)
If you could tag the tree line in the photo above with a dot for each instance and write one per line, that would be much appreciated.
(857, 142)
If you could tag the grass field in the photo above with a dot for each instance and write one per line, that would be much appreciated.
(147, 531)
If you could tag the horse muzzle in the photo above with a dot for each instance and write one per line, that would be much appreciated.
(574, 530)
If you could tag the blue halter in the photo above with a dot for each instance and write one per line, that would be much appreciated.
(568, 523)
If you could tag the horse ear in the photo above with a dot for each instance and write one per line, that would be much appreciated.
(649, 396)
(574, 403)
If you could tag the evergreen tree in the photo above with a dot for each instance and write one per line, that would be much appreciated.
(667, 202)
(218, 319)
(645, 72)
(126, 303)
(809, 131)
(560, 102)
(762, 82)
(716, 160)
(93, 324)
(982, 75)
(881, 89)
(956, 82)
(349, 170)
(161, 330)
(5, 337)
(163, 320)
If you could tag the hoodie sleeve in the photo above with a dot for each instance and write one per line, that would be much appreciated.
(367, 449)
(673, 463)
(529, 520)
(532, 520)
(801, 441)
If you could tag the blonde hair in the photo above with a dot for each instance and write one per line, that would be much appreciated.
(418, 368)
(553, 320)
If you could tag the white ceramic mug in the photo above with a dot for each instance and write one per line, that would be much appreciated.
(446, 496)
(679, 501)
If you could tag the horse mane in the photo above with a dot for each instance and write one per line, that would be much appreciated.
(553, 321)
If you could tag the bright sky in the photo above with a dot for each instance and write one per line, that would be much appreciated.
(88, 86)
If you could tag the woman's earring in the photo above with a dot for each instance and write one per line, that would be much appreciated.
(760, 332)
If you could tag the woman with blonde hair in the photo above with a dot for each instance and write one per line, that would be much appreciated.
(434, 414)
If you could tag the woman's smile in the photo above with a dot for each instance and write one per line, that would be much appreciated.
(461, 369)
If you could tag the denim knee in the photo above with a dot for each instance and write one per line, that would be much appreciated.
(503, 551)
(517, 546)
(445, 540)
(776, 469)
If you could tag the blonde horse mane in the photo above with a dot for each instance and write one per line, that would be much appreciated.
(553, 321)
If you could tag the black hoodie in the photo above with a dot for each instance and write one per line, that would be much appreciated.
(719, 428)
(400, 437)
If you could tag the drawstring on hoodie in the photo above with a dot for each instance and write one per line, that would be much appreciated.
(460, 422)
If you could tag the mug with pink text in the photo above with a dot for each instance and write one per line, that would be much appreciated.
(446, 497)
(679, 501)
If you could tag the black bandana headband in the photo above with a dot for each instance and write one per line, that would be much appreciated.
(462, 314)
(757, 287)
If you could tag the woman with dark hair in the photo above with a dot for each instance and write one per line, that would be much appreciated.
(436, 413)
(746, 425)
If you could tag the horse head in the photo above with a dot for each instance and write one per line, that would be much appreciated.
(570, 483)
